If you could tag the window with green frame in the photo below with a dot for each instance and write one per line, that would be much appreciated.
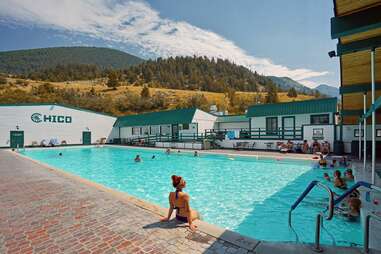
(320, 119)
(185, 126)
(271, 125)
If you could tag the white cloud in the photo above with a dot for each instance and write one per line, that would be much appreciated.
(136, 24)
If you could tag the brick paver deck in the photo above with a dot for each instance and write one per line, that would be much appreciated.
(42, 211)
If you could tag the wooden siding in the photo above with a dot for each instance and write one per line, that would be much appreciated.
(345, 7)
(361, 36)
(356, 68)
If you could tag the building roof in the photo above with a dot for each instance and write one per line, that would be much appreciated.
(232, 119)
(177, 116)
(294, 108)
(53, 104)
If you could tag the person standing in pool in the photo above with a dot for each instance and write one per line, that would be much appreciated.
(179, 201)
(338, 181)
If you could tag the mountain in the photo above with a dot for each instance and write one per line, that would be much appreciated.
(34, 60)
(328, 90)
(285, 83)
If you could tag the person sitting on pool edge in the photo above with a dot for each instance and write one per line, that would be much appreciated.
(305, 147)
(179, 201)
(339, 182)
(137, 158)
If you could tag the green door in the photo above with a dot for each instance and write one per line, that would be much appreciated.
(86, 138)
(175, 132)
(17, 139)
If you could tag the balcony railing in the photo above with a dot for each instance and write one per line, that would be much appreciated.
(259, 133)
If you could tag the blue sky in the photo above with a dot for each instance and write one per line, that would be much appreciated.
(274, 37)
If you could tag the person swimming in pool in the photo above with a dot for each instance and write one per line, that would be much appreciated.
(179, 201)
(326, 177)
(168, 151)
(153, 157)
(195, 154)
(60, 154)
(137, 158)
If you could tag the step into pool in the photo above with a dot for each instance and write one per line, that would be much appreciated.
(249, 195)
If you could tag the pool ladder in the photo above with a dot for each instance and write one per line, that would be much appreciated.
(320, 215)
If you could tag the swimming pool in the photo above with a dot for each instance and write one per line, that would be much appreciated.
(251, 196)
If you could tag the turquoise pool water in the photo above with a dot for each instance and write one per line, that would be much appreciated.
(247, 195)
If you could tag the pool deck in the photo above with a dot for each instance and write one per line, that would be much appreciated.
(44, 210)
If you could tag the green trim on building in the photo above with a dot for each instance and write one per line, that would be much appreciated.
(355, 46)
(53, 104)
(177, 116)
(358, 88)
(353, 112)
(293, 108)
(232, 119)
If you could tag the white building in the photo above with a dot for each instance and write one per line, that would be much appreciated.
(297, 121)
(30, 124)
(178, 123)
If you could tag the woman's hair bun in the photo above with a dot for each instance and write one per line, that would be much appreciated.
(175, 180)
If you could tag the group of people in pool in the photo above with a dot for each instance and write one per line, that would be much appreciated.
(338, 181)
(350, 207)
(168, 152)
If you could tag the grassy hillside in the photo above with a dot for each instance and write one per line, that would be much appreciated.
(33, 60)
(126, 98)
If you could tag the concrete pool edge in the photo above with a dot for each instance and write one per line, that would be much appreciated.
(210, 229)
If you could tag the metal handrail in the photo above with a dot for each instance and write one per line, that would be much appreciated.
(366, 231)
(355, 186)
(305, 193)
(320, 215)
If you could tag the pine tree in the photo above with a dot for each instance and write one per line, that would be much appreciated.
(113, 81)
(272, 93)
(292, 93)
(145, 92)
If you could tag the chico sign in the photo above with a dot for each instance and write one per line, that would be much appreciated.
(38, 118)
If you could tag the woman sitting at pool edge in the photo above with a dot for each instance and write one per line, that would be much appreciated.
(179, 201)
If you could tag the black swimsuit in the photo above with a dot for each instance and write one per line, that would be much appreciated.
(179, 217)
